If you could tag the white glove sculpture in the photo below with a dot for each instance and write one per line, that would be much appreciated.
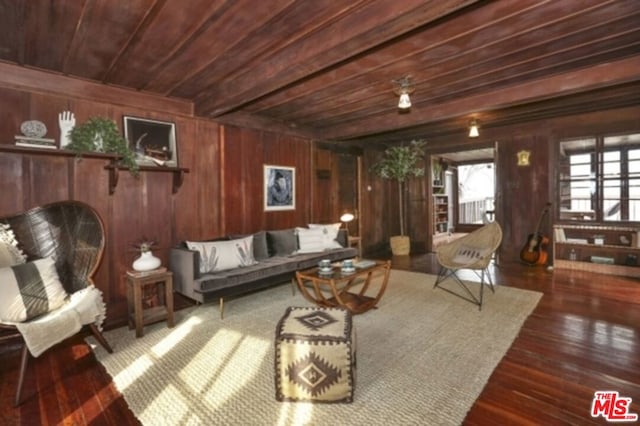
(66, 121)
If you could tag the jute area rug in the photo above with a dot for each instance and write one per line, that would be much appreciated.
(423, 357)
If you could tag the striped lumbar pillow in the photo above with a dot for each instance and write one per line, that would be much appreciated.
(29, 290)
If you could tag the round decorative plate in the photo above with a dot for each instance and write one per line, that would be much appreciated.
(33, 128)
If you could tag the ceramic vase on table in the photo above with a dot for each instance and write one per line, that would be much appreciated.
(146, 262)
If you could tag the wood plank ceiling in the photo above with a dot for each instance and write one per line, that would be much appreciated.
(324, 68)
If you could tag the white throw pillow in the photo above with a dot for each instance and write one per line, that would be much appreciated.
(223, 255)
(29, 290)
(330, 232)
(467, 255)
(10, 253)
(310, 240)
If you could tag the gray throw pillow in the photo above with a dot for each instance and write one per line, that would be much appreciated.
(283, 242)
(260, 246)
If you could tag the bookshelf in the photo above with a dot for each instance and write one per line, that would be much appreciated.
(597, 248)
(440, 213)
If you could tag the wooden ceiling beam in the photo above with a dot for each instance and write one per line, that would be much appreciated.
(474, 73)
(245, 50)
(252, 121)
(608, 74)
(465, 41)
(609, 98)
(38, 81)
(99, 34)
(355, 33)
(326, 67)
(480, 78)
(223, 39)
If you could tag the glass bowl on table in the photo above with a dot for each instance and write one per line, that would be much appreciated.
(325, 268)
(347, 267)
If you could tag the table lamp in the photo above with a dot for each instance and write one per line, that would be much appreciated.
(346, 218)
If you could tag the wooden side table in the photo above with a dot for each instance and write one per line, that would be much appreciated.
(138, 316)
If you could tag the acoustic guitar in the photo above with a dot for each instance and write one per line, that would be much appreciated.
(533, 253)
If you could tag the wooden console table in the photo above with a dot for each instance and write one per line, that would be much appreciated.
(138, 316)
(354, 291)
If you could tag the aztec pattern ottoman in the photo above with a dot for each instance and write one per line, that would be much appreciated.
(315, 356)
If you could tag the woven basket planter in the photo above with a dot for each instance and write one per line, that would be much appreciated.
(400, 245)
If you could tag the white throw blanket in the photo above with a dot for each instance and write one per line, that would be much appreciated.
(83, 307)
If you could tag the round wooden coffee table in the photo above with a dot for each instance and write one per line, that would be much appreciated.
(358, 291)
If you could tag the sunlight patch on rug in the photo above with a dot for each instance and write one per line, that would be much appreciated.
(423, 354)
(176, 336)
(133, 372)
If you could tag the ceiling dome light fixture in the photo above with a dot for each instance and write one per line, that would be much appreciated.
(473, 129)
(403, 87)
(405, 101)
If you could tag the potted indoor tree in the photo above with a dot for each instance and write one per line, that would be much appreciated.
(100, 134)
(401, 163)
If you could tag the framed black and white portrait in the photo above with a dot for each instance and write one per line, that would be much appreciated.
(153, 141)
(279, 188)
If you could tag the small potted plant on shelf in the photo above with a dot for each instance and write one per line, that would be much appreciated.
(401, 163)
(100, 134)
(436, 170)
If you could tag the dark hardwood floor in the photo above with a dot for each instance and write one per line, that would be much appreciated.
(583, 336)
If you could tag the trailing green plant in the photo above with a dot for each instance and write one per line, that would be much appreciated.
(100, 134)
(401, 163)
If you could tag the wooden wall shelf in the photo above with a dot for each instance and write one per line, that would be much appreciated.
(573, 248)
(55, 152)
(114, 174)
(113, 168)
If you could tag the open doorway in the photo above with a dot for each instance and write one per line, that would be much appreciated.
(476, 193)
(467, 193)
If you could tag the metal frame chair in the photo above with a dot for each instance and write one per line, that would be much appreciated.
(472, 252)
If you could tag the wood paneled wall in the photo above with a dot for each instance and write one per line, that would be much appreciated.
(143, 207)
(521, 192)
(246, 151)
(223, 191)
(379, 210)
(221, 194)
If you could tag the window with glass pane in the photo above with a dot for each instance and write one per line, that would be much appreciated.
(599, 178)
(634, 185)
(611, 192)
(577, 182)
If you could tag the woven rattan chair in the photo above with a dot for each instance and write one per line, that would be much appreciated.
(72, 233)
(472, 252)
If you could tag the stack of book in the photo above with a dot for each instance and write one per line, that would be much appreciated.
(33, 142)
(364, 263)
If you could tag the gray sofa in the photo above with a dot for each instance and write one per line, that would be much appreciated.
(275, 265)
